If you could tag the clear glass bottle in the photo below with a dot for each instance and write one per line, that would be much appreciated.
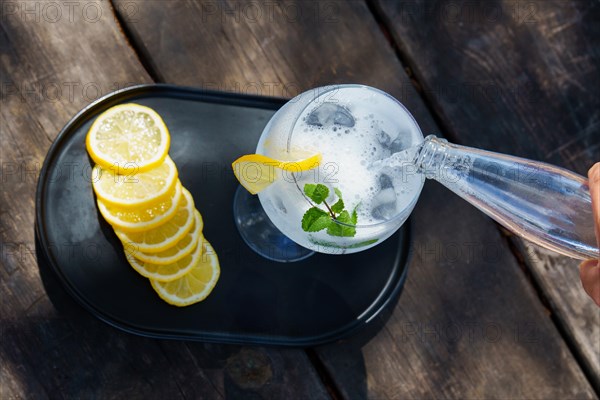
(543, 203)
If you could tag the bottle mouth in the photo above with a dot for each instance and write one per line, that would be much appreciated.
(324, 93)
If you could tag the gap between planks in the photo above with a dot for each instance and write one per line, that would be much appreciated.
(140, 52)
(326, 379)
(144, 59)
(437, 115)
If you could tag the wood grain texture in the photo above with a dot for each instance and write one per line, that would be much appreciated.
(579, 319)
(266, 48)
(513, 77)
(518, 78)
(468, 325)
(51, 67)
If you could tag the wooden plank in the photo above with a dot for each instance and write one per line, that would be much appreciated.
(514, 350)
(517, 77)
(265, 48)
(467, 324)
(55, 58)
(47, 76)
(578, 318)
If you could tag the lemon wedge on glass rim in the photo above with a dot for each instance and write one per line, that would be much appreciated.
(256, 172)
(128, 137)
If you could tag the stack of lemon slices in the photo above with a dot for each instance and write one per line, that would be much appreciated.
(139, 193)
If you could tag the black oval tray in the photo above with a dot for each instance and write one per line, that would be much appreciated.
(314, 301)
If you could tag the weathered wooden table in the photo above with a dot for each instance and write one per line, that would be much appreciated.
(483, 314)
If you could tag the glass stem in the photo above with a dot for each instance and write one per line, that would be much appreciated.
(545, 204)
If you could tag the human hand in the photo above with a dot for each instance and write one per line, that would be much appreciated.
(589, 270)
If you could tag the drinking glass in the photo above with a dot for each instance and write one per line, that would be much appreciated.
(375, 159)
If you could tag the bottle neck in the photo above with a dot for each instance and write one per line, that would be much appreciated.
(431, 156)
(543, 203)
(437, 159)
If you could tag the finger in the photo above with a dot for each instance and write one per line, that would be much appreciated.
(589, 271)
(594, 184)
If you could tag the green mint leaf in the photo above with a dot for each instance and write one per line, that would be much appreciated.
(354, 218)
(338, 207)
(338, 192)
(335, 229)
(345, 217)
(316, 193)
(315, 220)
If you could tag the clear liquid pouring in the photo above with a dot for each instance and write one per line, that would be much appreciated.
(542, 203)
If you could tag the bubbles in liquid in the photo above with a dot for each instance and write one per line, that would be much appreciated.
(351, 132)
(369, 140)
(384, 201)
(328, 114)
(395, 143)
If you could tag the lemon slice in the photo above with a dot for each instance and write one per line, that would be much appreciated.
(142, 219)
(167, 272)
(256, 172)
(136, 189)
(165, 235)
(193, 286)
(129, 137)
(174, 253)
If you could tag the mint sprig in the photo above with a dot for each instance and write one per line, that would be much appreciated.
(317, 193)
(337, 220)
(338, 207)
(315, 220)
